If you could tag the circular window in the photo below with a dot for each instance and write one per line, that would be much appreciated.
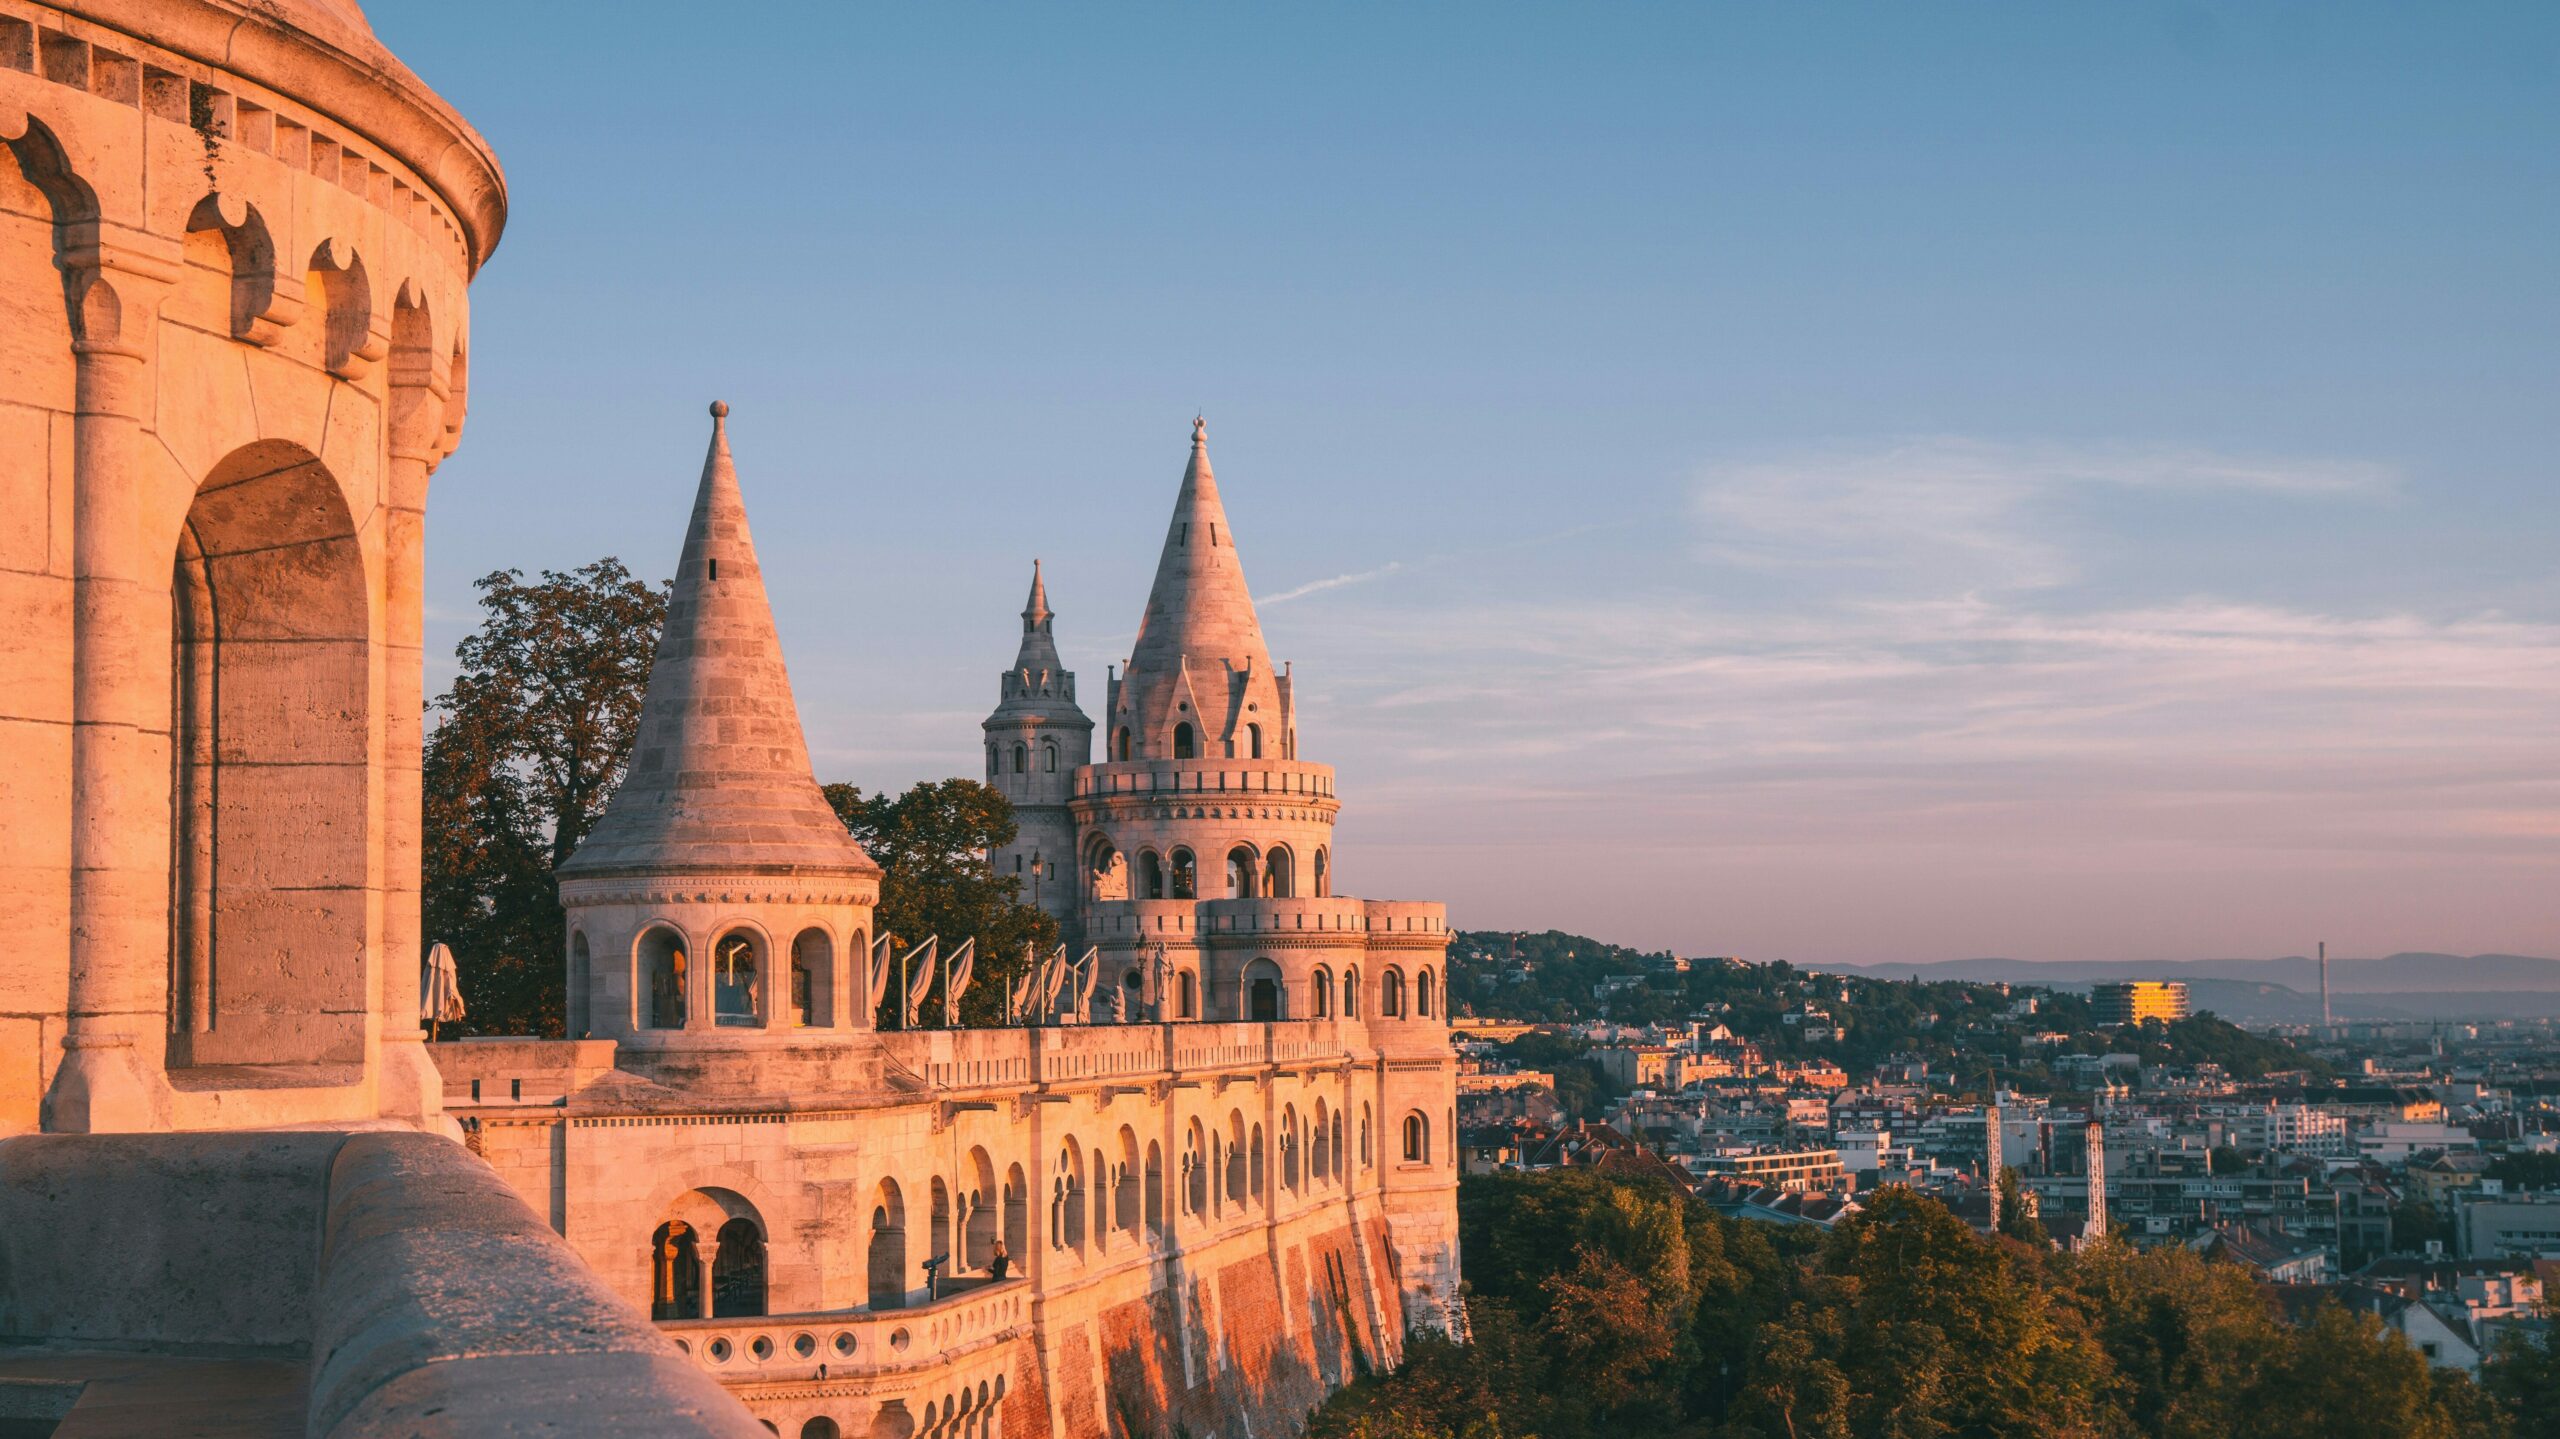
(844, 1342)
(805, 1345)
(683, 1348)
(898, 1340)
(719, 1351)
(763, 1347)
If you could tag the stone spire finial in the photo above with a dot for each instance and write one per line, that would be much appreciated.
(719, 777)
(1035, 612)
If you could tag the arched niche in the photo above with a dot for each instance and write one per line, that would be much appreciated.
(271, 812)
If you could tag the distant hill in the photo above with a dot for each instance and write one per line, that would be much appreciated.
(2392, 981)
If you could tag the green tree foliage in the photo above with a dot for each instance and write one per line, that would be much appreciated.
(1609, 1306)
(528, 745)
(2523, 1379)
(931, 844)
(2016, 1220)
(2526, 1169)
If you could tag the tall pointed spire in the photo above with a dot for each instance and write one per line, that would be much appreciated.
(1038, 656)
(719, 777)
(1199, 609)
(1036, 613)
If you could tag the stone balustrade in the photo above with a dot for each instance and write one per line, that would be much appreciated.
(1237, 779)
(851, 1343)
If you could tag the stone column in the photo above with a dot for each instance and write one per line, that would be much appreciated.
(706, 1250)
(113, 1076)
(407, 1085)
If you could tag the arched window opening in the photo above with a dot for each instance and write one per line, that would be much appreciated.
(1280, 873)
(1258, 1191)
(1017, 1217)
(1185, 744)
(1417, 1138)
(1120, 744)
(1320, 1151)
(1127, 1197)
(888, 1256)
(938, 1230)
(1289, 1148)
(1263, 1003)
(1236, 1174)
(821, 1427)
(663, 968)
(1186, 875)
(813, 980)
(992, 766)
(1391, 995)
(1150, 875)
(1253, 740)
(677, 1263)
(1070, 1193)
(1049, 756)
(1367, 1158)
(1189, 986)
(1324, 875)
(1341, 1157)
(981, 1214)
(1422, 994)
(737, 1275)
(1321, 989)
(737, 980)
(1240, 872)
(1351, 992)
(1021, 758)
(1195, 1172)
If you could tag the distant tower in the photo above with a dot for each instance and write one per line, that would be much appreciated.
(1036, 740)
(2096, 1228)
(2324, 984)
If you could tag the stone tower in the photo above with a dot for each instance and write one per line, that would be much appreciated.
(718, 904)
(1037, 739)
(236, 248)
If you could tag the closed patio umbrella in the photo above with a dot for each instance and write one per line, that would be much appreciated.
(439, 989)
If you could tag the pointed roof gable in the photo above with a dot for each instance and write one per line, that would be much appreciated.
(1199, 609)
(719, 777)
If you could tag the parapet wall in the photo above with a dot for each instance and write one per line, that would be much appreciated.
(424, 1296)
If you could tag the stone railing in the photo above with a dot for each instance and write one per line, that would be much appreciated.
(417, 1288)
(1207, 779)
(1011, 1059)
(845, 1343)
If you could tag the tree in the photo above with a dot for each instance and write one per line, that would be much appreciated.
(530, 741)
(2414, 1222)
(931, 844)
(2016, 1217)
(2523, 1377)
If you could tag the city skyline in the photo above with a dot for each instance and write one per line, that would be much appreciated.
(2070, 484)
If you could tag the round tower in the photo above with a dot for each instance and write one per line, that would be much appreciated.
(237, 239)
(1037, 739)
(718, 904)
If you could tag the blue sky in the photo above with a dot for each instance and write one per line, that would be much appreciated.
(1834, 483)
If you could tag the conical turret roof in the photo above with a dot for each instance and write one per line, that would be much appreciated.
(1199, 609)
(1039, 650)
(719, 778)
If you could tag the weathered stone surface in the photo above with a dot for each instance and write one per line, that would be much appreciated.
(444, 1306)
(203, 1240)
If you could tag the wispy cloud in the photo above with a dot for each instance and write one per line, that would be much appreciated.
(1968, 512)
(1337, 582)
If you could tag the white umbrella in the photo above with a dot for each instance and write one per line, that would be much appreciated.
(439, 988)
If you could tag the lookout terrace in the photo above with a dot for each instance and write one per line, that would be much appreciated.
(1207, 1173)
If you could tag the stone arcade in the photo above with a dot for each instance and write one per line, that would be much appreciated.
(236, 241)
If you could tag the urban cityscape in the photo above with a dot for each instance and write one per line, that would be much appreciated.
(1952, 613)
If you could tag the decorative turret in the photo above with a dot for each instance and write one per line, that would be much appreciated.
(1036, 739)
(719, 847)
(1199, 682)
(719, 777)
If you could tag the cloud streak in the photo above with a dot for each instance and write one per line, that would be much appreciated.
(1313, 587)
